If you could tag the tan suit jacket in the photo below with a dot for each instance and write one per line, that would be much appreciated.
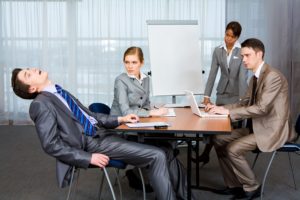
(270, 112)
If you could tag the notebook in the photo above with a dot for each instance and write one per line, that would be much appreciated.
(195, 109)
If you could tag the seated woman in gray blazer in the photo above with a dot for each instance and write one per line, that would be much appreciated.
(132, 89)
(131, 95)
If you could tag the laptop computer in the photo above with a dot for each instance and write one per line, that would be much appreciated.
(195, 109)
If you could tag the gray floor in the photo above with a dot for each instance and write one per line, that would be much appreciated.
(27, 173)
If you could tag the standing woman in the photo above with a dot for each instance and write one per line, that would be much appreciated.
(131, 95)
(132, 89)
(233, 81)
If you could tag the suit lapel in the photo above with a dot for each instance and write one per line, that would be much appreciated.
(259, 81)
(137, 84)
(59, 104)
(261, 76)
(234, 54)
(224, 59)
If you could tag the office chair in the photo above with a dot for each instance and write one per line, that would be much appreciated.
(112, 163)
(117, 164)
(99, 108)
(288, 147)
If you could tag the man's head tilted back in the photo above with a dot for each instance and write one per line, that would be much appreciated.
(27, 83)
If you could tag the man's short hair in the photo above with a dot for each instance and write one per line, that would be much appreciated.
(255, 44)
(20, 89)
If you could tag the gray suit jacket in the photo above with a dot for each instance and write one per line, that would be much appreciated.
(233, 81)
(270, 112)
(130, 96)
(61, 135)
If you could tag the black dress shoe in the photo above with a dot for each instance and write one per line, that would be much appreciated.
(253, 194)
(248, 195)
(204, 158)
(236, 191)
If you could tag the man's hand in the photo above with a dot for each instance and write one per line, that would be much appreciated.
(216, 109)
(131, 118)
(99, 160)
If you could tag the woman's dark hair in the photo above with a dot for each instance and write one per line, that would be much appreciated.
(20, 89)
(235, 27)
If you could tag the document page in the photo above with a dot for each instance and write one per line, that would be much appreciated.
(146, 124)
(176, 105)
(181, 105)
(171, 113)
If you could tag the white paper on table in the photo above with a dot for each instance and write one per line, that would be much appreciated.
(171, 113)
(146, 124)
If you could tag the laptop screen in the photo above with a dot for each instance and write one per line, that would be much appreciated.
(193, 103)
(195, 109)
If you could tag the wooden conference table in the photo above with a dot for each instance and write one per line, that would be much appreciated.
(185, 126)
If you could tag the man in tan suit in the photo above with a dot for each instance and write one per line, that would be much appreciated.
(266, 104)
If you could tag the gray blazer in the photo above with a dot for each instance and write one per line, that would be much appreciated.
(130, 96)
(233, 81)
(61, 135)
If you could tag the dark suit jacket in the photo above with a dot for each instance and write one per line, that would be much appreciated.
(61, 135)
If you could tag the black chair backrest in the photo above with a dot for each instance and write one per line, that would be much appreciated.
(99, 108)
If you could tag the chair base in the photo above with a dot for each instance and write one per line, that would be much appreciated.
(99, 194)
(268, 169)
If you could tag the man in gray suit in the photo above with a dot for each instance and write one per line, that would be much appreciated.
(60, 134)
(266, 104)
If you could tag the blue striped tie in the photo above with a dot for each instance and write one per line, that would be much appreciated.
(89, 128)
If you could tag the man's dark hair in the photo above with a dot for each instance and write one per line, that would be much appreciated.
(235, 27)
(20, 89)
(255, 44)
